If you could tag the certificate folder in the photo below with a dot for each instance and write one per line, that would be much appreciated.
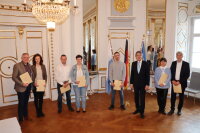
(117, 84)
(177, 89)
(163, 78)
(26, 79)
(82, 81)
(41, 85)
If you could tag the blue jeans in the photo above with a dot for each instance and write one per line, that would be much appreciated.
(80, 94)
(113, 96)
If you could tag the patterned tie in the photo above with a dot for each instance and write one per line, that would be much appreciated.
(138, 67)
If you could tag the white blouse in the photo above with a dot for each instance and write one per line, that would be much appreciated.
(39, 73)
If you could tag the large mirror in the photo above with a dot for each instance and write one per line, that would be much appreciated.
(90, 35)
(156, 23)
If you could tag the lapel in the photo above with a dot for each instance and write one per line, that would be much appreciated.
(181, 69)
(22, 67)
(175, 64)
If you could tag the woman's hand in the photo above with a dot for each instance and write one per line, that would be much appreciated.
(77, 82)
(161, 85)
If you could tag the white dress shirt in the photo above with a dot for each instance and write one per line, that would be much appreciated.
(139, 64)
(63, 73)
(178, 70)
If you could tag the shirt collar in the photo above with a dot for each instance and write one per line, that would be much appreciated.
(180, 62)
(163, 67)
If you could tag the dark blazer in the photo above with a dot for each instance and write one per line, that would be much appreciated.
(44, 72)
(184, 75)
(140, 79)
(18, 70)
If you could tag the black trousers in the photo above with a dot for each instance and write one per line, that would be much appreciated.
(140, 93)
(68, 97)
(162, 98)
(93, 67)
(173, 99)
(38, 101)
(23, 98)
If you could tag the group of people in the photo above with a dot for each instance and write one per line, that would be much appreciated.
(65, 76)
(153, 57)
(177, 74)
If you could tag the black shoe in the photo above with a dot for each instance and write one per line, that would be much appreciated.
(111, 107)
(136, 112)
(171, 112)
(122, 107)
(78, 111)
(42, 114)
(142, 116)
(20, 120)
(59, 111)
(179, 113)
(159, 111)
(38, 115)
(84, 111)
(71, 109)
(163, 112)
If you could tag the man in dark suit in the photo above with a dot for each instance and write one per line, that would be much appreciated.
(23, 89)
(180, 71)
(140, 78)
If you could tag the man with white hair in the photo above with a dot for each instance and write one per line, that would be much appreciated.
(23, 89)
(180, 71)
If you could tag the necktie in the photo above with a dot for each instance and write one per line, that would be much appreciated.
(138, 67)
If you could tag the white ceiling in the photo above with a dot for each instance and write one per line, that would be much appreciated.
(156, 4)
(88, 4)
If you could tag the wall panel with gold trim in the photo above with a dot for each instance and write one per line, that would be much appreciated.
(14, 41)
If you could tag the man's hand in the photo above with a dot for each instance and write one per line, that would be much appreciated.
(36, 85)
(175, 82)
(122, 85)
(25, 84)
(146, 87)
(65, 85)
(131, 86)
(112, 84)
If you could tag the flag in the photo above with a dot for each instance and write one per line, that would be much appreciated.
(109, 60)
(126, 61)
(89, 55)
(143, 51)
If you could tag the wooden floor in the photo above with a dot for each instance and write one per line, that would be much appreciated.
(98, 119)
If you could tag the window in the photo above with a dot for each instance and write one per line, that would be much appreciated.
(194, 53)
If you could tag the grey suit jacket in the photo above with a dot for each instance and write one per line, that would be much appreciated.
(18, 70)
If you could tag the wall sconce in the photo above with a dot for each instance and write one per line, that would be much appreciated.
(21, 31)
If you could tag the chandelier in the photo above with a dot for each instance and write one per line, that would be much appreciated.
(51, 12)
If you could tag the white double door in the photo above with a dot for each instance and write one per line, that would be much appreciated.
(14, 42)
